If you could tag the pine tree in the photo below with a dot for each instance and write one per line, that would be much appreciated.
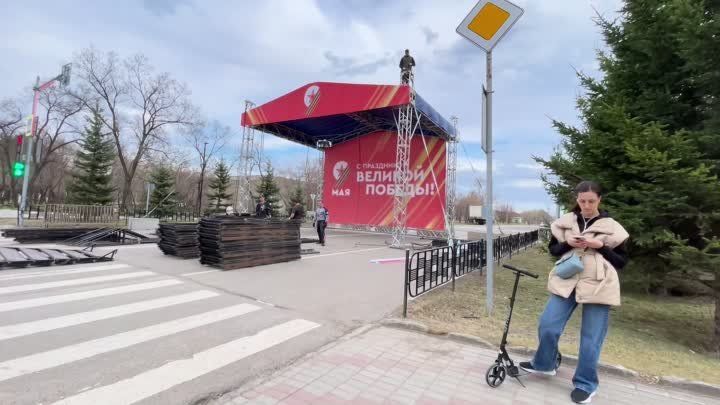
(651, 138)
(92, 180)
(220, 185)
(162, 199)
(269, 189)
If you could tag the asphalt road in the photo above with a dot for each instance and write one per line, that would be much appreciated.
(151, 329)
(8, 213)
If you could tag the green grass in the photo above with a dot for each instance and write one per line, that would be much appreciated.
(653, 335)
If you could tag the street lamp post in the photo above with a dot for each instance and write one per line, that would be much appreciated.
(202, 179)
(64, 80)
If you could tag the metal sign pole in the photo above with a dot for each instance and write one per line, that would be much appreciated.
(485, 26)
(489, 187)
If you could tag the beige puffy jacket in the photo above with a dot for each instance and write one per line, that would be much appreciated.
(598, 283)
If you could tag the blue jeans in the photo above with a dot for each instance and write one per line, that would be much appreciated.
(594, 328)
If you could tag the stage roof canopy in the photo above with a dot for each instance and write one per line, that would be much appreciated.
(340, 111)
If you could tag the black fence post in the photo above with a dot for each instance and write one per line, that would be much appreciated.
(454, 264)
(407, 282)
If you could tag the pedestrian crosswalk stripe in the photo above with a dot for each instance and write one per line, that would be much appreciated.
(84, 295)
(44, 325)
(77, 281)
(197, 273)
(157, 380)
(49, 273)
(57, 357)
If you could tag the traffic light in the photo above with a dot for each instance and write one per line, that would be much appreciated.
(18, 169)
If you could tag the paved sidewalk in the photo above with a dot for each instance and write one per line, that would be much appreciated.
(393, 367)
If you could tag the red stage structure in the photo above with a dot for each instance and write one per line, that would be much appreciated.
(385, 155)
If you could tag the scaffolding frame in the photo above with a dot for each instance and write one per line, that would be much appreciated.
(407, 124)
(243, 199)
(451, 182)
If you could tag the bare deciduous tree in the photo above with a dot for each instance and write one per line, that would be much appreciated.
(537, 217)
(504, 213)
(462, 206)
(206, 140)
(58, 127)
(139, 107)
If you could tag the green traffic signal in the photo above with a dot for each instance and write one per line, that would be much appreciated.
(18, 169)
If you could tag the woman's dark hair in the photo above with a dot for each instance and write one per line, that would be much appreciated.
(584, 187)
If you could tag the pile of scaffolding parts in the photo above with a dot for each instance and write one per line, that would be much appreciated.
(24, 257)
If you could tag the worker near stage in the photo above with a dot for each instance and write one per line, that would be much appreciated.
(320, 221)
(406, 65)
(262, 209)
(297, 212)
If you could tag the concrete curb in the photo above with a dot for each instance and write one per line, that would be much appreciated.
(405, 324)
(694, 386)
(613, 369)
(473, 340)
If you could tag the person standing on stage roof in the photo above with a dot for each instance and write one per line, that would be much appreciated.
(407, 63)
(320, 221)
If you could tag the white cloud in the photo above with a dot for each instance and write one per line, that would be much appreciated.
(468, 164)
(527, 183)
(530, 166)
(533, 205)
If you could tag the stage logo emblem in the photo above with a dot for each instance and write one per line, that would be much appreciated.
(341, 172)
(311, 99)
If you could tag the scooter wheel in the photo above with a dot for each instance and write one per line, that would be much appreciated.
(558, 361)
(495, 375)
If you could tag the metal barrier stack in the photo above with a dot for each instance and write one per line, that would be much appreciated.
(179, 240)
(237, 242)
(431, 268)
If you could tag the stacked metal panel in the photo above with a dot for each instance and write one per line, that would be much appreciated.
(239, 242)
(179, 240)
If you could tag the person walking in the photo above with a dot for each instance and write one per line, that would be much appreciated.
(320, 221)
(593, 246)
(262, 209)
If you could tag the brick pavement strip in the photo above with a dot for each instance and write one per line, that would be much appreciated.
(387, 366)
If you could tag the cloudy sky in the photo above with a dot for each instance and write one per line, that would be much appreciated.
(229, 51)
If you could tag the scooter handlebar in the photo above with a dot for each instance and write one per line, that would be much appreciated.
(521, 271)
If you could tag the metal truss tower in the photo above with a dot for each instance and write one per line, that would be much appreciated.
(243, 198)
(451, 196)
(406, 124)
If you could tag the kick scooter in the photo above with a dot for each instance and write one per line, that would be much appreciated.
(504, 366)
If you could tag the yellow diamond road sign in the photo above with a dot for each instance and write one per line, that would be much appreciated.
(488, 22)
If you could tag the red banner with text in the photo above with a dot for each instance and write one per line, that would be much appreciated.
(360, 181)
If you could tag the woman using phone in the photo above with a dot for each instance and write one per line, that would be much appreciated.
(600, 242)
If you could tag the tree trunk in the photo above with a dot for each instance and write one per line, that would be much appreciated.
(126, 193)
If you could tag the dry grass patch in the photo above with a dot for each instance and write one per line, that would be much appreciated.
(655, 336)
